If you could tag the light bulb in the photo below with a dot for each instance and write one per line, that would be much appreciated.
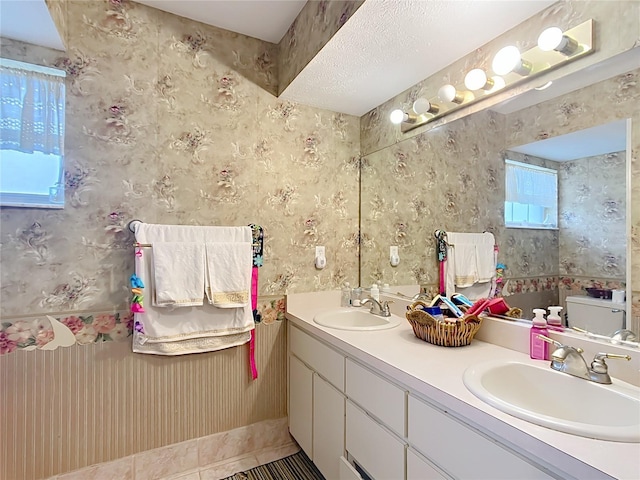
(476, 79)
(550, 39)
(448, 93)
(553, 39)
(422, 106)
(508, 60)
(398, 116)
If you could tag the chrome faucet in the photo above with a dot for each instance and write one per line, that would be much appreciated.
(378, 308)
(421, 296)
(624, 335)
(424, 296)
(569, 360)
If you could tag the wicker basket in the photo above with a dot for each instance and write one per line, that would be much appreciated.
(514, 312)
(447, 334)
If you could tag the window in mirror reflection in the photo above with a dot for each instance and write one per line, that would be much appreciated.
(531, 196)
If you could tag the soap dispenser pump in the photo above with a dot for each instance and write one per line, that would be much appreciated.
(554, 320)
(539, 349)
(345, 296)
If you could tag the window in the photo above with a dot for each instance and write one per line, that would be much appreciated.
(531, 199)
(32, 111)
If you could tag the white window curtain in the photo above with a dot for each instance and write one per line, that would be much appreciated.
(32, 105)
(531, 185)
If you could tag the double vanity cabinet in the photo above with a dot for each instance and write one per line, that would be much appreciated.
(354, 423)
(386, 405)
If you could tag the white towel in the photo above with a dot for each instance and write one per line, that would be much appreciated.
(178, 274)
(465, 264)
(189, 345)
(187, 329)
(229, 274)
(471, 264)
(486, 260)
(149, 232)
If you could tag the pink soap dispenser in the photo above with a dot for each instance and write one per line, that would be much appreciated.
(539, 349)
(554, 320)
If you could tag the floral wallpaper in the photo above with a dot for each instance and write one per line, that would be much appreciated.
(317, 22)
(38, 332)
(172, 121)
(592, 223)
(530, 285)
(449, 178)
(443, 179)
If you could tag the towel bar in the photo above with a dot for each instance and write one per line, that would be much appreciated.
(149, 245)
(257, 244)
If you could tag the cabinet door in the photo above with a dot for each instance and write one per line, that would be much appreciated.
(373, 447)
(419, 468)
(328, 427)
(300, 404)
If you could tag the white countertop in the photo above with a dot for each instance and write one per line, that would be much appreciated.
(436, 373)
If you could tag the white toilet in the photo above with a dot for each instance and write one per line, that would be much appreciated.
(595, 315)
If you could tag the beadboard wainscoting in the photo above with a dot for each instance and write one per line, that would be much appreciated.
(87, 404)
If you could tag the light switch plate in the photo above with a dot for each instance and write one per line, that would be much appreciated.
(394, 257)
(320, 261)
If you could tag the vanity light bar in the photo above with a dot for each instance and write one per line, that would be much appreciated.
(556, 48)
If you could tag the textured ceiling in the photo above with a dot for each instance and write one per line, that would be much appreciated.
(608, 138)
(387, 46)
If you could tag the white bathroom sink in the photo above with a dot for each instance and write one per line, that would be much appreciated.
(355, 319)
(557, 400)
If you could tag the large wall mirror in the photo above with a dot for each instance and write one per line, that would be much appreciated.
(453, 178)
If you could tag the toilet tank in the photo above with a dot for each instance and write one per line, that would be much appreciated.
(595, 315)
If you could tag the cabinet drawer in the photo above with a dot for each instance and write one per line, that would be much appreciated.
(376, 395)
(420, 469)
(324, 360)
(347, 472)
(460, 451)
(375, 449)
